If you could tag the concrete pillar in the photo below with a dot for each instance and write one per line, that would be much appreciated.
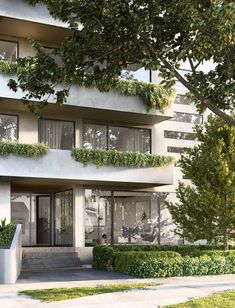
(5, 201)
(79, 216)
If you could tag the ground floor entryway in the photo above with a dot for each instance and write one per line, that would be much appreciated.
(47, 219)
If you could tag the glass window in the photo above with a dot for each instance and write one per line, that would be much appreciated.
(8, 51)
(64, 218)
(179, 135)
(57, 134)
(8, 127)
(182, 100)
(98, 136)
(129, 139)
(175, 149)
(187, 118)
(95, 136)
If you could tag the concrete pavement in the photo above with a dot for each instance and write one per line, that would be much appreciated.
(172, 290)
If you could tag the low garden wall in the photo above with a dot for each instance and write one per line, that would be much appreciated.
(165, 261)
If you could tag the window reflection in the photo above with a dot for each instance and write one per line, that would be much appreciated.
(8, 51)
(8, 127)
(187, 118)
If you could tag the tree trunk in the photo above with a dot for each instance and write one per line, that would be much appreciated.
(225, 238)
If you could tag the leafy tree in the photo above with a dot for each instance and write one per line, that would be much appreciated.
(106, 36)
(206, 210)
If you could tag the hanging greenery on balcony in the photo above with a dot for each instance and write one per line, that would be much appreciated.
(115, 158)
(25, 150)
(153, 96)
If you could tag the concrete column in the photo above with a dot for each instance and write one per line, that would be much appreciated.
(79, 216)
(5, 201)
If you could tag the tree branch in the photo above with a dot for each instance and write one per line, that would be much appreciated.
(230, 120)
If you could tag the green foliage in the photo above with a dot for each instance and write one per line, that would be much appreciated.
(2, 224)
(153, 96)
(7, 232)
(151, 33)
(25, 150)
(206, 210)
(116, 158)
(104, 256)
(124, 260)
(185, 266)
(216, 253)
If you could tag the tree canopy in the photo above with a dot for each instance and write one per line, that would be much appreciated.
(106, 36)
(206, 210)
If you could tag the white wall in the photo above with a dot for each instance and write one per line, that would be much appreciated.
(5, 201)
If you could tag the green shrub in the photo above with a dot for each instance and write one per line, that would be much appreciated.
(185, 266)
(6, 235)
(103, 257)
(123, 260)
(100, 255)
(115, 158)
(25, 150)
(217, 253)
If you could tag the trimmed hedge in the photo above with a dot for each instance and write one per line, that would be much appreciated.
(216, 253)
(103, 256)
(123, 260)
(21, 149)
(6, 235)
(185, 266)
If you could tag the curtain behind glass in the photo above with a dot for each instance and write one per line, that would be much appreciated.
(129, 139)
(57, 134)
(95, 136)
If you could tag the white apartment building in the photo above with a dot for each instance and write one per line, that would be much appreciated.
(63, 206)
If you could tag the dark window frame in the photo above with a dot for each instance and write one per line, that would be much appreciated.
(59, 120)
(18, 122)
(118, 125)
(17, 47)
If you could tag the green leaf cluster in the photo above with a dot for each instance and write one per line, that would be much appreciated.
(104, 256)
(116, 158)
(206, 209)
(153, 96)
(184, 266)
(25, 150)
(6, 235)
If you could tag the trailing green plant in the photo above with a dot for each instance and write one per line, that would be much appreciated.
(7, 232)
(21, 149)
(153, 96)
(186, 266)
(116, 158)
(124, 260)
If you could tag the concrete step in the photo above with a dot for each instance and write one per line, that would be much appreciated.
(46, 260)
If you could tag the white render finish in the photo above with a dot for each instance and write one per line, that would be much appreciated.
(20, 9)
(11, 259)
(5, 201)
(58, 164)
(79, 216)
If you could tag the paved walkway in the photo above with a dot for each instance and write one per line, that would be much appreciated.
(171, 290)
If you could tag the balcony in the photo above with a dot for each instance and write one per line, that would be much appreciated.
(59, 165)
(90, 103)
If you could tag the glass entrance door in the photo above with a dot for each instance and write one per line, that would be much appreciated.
(43, 220)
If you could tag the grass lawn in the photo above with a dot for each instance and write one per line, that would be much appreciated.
(60, 294)
(218, 300)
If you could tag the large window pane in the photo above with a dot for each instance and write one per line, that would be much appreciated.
(8, 127)
(64, 218)
(97, 217)
(129, 139)
(95, 136)
(182, 100)
(8, 51)
(57, 134)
